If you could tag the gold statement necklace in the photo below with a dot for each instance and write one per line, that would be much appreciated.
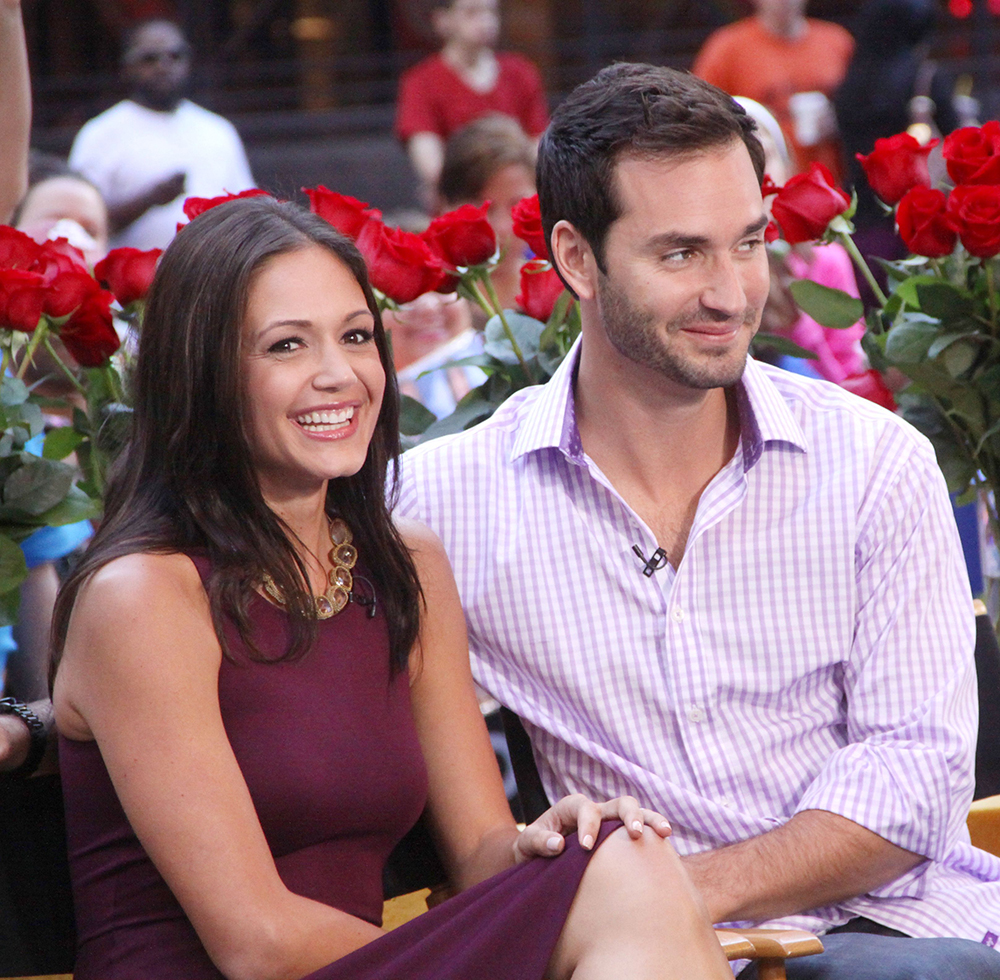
(343, 556)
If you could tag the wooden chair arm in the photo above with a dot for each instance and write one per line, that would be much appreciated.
(781, 943)
(984, 824)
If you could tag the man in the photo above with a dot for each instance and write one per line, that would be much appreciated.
(789, 63)
(154, 149)
(732, 592)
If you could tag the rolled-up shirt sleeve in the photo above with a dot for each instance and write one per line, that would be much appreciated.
(906, 770)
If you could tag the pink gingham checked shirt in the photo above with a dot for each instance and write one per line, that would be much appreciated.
(813, 650)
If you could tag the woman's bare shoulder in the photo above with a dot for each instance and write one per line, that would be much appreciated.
(138, 581)
(419, 538)
(142, 619)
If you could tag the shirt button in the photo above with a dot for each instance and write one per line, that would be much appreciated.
(695, 714)
(678, 614)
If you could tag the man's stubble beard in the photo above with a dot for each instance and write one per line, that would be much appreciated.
(633, 333)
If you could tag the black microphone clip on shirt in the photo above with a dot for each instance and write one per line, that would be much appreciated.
(656, 561)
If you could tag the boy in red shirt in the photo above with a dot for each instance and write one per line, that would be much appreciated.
(465, 80)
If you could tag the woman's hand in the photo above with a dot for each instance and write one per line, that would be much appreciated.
(546, 836)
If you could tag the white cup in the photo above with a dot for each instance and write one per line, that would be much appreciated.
(813, 117)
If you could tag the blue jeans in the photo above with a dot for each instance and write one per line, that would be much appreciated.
(863, 956)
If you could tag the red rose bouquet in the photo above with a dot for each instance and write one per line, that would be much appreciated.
(938, 321)
(458, 253)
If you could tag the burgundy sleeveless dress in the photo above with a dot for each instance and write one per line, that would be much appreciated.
(330, 755)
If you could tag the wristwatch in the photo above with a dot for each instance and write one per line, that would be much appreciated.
(36, 729)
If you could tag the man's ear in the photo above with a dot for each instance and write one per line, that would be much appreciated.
(574, 258)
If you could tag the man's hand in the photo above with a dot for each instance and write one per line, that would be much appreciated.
(166, 190)
(15, 740)
(817, 858)
(123, 214)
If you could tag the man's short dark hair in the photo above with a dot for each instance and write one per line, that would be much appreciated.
(628, 110)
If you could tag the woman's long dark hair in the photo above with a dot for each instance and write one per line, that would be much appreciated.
(185, 481)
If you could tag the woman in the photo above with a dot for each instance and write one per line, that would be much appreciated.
(249, 723)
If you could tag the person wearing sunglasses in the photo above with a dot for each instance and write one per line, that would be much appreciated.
(155, 148)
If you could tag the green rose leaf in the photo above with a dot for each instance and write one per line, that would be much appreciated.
(944, 301)
(37, 485)
(467, 413)
(829, 307)
(77, 506)
(911, 338)
(59, 443)
(526, 330)
(413, 417)
(782, 345)
(907, 289)
(13, 572)
(959, 357)
(13, 391)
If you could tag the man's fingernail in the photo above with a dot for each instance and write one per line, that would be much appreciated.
(637, 825)
(554, 842)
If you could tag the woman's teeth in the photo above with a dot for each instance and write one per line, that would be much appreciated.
(326, 421)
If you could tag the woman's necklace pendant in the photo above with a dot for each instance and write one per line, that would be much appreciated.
(343, 557)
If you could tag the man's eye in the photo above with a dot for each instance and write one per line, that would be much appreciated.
(678, 256)
(752, 245)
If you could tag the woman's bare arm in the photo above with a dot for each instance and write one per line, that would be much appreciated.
(15, 109)
(140, 674)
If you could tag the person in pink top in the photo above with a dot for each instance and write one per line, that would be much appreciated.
(465, 80)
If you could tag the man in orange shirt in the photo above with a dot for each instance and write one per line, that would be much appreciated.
(791, 64)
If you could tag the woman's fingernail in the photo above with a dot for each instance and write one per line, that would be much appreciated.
(588, 842)
(553, 842)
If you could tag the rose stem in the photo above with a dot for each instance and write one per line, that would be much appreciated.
(860, 262)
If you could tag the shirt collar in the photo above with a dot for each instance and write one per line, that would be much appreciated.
(551, 421)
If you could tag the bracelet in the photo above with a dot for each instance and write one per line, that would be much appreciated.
(36, 729)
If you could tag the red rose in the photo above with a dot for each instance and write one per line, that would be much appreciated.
(57, 257)
(895, 165)
(974, 212)
(870, 385)
(528, 225)
(400, 263)
(972, 154)
(807, 204)
(540, 288)
(462, 237)
(347, 214)
(68, 290)
(22, 299)
(768, 186)
(128, 272)
(923, 223)
(89, 334)
(17, 250)
(194, 206)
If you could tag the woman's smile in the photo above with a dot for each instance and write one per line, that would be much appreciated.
(313, 380)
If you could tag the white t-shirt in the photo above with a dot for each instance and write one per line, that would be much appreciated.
(129, 148)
